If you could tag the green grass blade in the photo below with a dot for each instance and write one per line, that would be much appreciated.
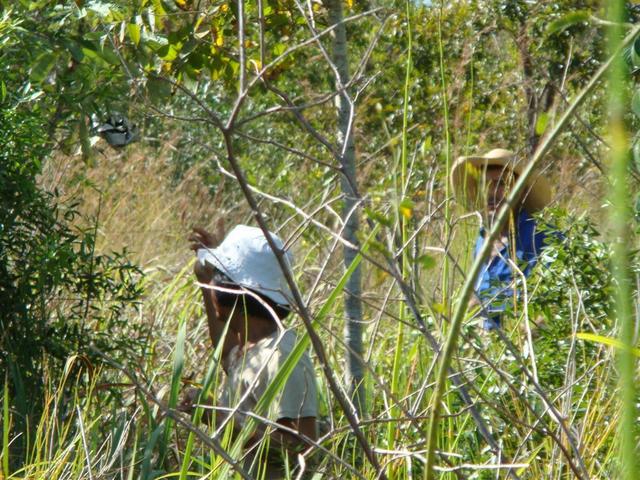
(622, 238)
(145, 473)
(176, 375)
(6, 427)
(134, 450)
(209, 380)
(610, 342)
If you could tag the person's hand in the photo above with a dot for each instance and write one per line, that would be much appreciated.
(201, 238)
(474, 301)
(189, 400)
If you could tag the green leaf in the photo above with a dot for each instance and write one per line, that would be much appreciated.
(42, 66)
(279, 49)
(567, 21)
(541, 123)
(440, 308)
(427, 261)
(210, 379)
(406, 208)
(74, 48)
(146, 472)
(176, 376)
(6, 422)
(168, 53)
(378, 217)
(157, 89)
(635, 53)
(152, 40)
(610, 342)
(134, 33)
(109, 55)
(158, 8)
(96, 48)
(425, 147)
(636, 154)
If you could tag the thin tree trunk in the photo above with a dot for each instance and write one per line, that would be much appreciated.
(350, 214)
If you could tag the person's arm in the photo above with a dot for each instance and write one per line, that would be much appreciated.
(200, 238)
(216, 325)
(305, 426)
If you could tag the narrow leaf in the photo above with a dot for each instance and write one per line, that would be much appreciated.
(610, 342)
(567, 21)
(541, 123)
(134, 33)
(42, 66)
(6, 425)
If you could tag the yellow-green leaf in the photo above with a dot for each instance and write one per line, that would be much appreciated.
(406, 208)
(611, 342)
(134, 33)
(439, 308)
(541, 123)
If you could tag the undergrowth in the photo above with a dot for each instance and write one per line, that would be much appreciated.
(538, 399)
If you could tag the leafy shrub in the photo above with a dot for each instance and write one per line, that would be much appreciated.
(57, 296)
(573, 287)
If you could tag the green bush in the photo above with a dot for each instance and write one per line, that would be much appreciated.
(58, 296)
(573, 287)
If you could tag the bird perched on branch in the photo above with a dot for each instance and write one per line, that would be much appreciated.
(116, 130)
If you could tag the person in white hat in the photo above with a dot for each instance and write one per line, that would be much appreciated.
(243, 286)
(482, 183)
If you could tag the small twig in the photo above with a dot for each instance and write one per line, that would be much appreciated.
(242, 47)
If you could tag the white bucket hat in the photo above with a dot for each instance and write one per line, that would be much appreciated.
(466, 173)
(246, 258)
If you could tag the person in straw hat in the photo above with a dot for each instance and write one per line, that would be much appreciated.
(245, 294)
(482, 183)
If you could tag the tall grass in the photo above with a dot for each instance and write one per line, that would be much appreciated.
(622, 239)
(140, 435)
(546, 431)
(405, 212)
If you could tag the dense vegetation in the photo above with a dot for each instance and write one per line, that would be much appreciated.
(257, 112)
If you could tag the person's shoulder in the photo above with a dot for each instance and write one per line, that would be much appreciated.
(282, 341)
(288, 340)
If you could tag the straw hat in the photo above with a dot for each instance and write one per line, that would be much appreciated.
(467, 171)
(246, 258)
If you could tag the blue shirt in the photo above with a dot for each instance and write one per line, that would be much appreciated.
(495, 283)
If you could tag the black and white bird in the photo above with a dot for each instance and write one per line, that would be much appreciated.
(117, 130)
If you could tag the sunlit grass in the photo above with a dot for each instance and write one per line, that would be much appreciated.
(85, 433)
